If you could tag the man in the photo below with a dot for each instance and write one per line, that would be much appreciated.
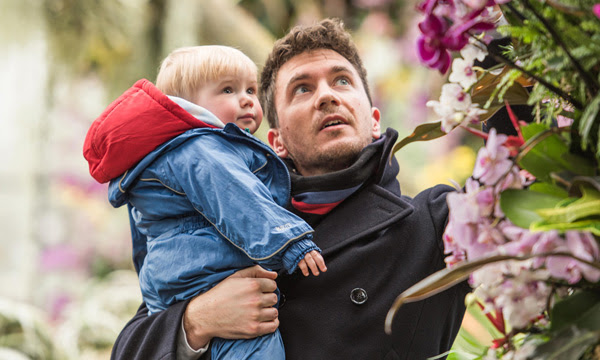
(375, 241)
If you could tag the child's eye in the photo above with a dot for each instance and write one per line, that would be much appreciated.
(228, 90)
(251, 91)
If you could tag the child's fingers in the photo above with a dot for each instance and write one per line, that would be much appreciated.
(303, 267)
(320, 261)
(310, 261)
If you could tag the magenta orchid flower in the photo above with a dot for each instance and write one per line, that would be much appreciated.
(596, 10)
(430, 47)
(446, 29)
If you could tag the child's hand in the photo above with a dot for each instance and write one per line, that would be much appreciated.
(313, 261)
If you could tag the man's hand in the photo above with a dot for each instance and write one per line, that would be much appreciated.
(239, 307)
(313, 262)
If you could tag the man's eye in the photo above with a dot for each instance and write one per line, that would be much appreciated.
(342, 81)
(300, 90)
(228, 90)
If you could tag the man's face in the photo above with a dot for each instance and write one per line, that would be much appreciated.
(325, 118)
(232, 98)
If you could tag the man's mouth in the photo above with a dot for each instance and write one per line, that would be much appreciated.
(333, 122)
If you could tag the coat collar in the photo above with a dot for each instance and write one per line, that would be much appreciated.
(366, 212)
(377, 204)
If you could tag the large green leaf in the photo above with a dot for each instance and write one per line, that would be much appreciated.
(446, 278)
(568, 344)
(423, 132)
(521, 206)
(581, 309)
(466, 347)
(486, 87)
(588, 118)
(514, 95)
(580, 165)
(585, 207)
(581, 182)
(546, 156)
(550, 189)
(478, 315)
(592, 226)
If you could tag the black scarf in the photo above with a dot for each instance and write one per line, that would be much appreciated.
(315, 196)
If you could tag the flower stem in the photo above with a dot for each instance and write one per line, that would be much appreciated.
(532, 142)
(516, 12)
(589, 81)
(554, 89)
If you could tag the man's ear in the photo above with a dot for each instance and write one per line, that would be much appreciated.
(274, 138)
(375, 118)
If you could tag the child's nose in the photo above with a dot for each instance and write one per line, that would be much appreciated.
(246, 100)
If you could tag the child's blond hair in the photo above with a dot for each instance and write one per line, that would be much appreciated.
(186, 69)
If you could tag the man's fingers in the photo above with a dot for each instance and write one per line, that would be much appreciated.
(255, 271)
(267, 327)
(268, 314)
(266, 285)
(268, 300)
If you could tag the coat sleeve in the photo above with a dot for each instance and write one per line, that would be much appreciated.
(438, 209)
(150, 337)
(218, 180)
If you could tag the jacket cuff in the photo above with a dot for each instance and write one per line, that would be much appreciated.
(296, 252)
(184, 350)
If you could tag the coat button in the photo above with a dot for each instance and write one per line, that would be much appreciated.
(281, 300)
(358, 296)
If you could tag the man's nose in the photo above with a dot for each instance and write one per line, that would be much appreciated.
(326, 97)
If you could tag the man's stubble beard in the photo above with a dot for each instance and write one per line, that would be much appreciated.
(339, 157)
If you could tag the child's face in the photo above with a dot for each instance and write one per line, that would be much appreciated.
(233, 99)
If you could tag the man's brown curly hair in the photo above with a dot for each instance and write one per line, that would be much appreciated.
(327, 34)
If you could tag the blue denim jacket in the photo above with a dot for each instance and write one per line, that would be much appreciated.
(203, 205)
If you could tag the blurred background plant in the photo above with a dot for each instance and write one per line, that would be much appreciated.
(65, 266)
(525, 228)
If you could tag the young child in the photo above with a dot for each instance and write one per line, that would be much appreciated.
(205, 197)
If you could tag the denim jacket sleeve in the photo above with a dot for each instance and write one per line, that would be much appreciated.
(219, 179)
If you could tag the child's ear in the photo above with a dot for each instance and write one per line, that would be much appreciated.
(274, 138)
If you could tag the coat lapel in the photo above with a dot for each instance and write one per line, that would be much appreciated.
(373, 205)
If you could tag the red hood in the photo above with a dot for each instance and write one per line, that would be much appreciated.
(131, 127)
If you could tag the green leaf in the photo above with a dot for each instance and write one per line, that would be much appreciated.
(446, 278)
(587, 120)
(423, 132)
(466, 347)
(586, 206)
(592, 226)
(579, 165)
(550, 189)
(521, 206)
(476, 313)
(580, 182)
(581, 309)
(547, 156)
(438, 282)
(486, 89)
(569, 344)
